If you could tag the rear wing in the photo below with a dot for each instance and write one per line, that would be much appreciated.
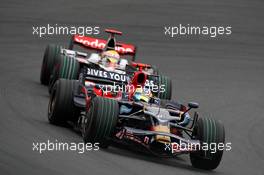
(101, 44)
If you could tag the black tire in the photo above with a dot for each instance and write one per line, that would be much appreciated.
(100, 121)
(68, 68)
(155, 70)
(48, 63)
(208, 131)
(61, 106)
(166, 85)
(71, 44)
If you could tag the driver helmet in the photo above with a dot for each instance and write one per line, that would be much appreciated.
(110, 58)
(142, 94)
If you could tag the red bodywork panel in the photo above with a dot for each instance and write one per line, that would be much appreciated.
(140, 66)
(113, 31)
(99, 44)
(138, 79)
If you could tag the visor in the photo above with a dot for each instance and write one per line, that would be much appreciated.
(112, 60)
(140, 97)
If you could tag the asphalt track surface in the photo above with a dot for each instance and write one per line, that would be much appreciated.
(223, 74)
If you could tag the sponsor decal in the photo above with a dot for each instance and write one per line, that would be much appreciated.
(100, 44)
(107, 75)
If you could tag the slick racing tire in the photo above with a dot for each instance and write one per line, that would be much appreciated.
(61, 106)
(49, 60)
(100, 121)
(165, 87)
(71, 43)
(208, 131)
(68, 68)
(155, 70)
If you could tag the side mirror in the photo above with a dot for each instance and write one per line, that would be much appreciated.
(193, 105)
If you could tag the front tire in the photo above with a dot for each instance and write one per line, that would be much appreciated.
(208, 131)
(68, 68)
(100, 121)
(61, 106)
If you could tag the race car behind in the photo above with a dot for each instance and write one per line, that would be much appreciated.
(65, 63)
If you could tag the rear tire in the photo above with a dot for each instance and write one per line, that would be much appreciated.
(155, 70)
(71, 44)
(166, 84)
(49, 60)
(100, 121)
(61, 106)
(208, 131)
(68, 68)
